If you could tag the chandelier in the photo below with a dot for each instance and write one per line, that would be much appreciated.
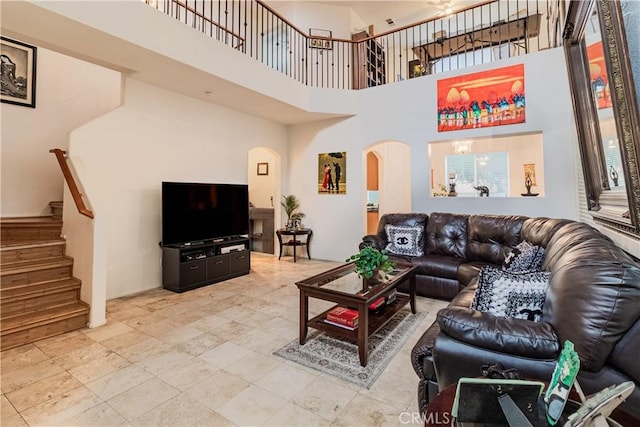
(462, 147)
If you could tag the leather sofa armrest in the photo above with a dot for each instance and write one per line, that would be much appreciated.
(514, 336)
(422, 349)
(373, 240)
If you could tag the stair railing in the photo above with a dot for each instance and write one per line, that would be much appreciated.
(61, 155)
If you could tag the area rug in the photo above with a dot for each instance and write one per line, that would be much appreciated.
(339, 357)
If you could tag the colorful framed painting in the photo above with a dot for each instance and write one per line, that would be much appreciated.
(332, 173)
(488, 98)
(18, 73)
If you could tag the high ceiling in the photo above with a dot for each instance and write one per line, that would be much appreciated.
(376, 12)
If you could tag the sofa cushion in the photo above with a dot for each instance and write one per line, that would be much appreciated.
(491, 237)
(438, 265)
(404, 240)
(524, 257)
(518, 295)
(498, 334)
(446, 234)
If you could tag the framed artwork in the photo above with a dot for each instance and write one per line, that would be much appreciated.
(332, 173)
(263, 168)
(318, 39)
(488, 98)
(18, 68)
(530, 169)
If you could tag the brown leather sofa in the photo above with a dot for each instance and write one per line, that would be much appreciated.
(593, 300)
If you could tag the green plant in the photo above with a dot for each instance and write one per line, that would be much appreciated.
(291, 206)
(369, 260)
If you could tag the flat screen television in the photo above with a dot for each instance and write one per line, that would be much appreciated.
(195, 212)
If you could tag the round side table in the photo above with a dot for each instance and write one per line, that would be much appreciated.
(294, 241)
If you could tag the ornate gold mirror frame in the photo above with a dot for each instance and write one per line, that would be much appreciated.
(606, 205)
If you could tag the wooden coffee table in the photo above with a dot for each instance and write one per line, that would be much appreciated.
(342, 286)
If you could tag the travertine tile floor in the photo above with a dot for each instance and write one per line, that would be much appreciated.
(201, 358)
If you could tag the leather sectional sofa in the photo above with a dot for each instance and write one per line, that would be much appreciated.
(592, 299)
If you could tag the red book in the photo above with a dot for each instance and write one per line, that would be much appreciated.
(343, 315)
(377, 303)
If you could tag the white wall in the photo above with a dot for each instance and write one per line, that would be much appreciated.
(406, 112)
(69, 92)
(263, 188)
(157, 135)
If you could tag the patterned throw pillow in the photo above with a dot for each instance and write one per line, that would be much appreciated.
(524, 257)
(404, 240)
(511, 294)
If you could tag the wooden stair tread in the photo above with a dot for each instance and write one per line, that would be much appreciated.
(30, 243)
(34, 221)
(33, 289)
(42, 317)
(34, 265)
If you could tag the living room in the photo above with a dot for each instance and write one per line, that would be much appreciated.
(140, 133)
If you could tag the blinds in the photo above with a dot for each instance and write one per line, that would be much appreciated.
(479, 169)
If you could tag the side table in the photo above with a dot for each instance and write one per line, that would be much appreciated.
(294, 241)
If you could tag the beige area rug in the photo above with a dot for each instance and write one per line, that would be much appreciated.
(339, 357)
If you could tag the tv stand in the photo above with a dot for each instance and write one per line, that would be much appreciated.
(194, 264)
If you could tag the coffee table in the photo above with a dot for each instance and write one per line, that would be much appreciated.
(342, 286)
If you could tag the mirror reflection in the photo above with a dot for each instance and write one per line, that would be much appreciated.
(613, 174)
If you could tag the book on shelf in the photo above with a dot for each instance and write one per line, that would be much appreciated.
(380, 302)
(343, 315)
(391, 297)
(341, 325)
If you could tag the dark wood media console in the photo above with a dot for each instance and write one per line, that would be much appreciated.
(190, 266)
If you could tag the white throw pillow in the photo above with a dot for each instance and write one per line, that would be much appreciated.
(404, 240)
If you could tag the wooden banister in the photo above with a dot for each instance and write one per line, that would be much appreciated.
(206, 19)
(68, 177)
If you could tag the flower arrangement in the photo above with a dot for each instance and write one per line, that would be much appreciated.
(369, 261)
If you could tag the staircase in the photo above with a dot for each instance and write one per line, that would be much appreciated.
(39, 298)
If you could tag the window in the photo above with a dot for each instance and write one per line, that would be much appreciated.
(479, 169)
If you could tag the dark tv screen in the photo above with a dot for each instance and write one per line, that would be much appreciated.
(194, 212)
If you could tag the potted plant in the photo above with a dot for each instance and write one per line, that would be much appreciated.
(291, 206)
(371, 264)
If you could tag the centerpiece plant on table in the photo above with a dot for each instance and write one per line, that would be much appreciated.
(371, 263)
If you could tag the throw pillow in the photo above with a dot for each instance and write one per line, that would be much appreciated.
(519, 295)
(524, 257)
(404, 240)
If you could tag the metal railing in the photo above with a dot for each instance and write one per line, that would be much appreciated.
(480, 34)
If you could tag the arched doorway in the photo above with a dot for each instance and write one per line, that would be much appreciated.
(388, 173)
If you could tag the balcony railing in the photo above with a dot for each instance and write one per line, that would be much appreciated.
(480, 34)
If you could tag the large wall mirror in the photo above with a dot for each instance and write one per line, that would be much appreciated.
(602, 46)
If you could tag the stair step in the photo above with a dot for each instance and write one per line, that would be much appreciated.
(56, 209)
(37, 296)
(26, 228)
(29, 327)
(25, 272)
(24, 250)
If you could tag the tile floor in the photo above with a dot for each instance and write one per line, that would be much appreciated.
(201, 358)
